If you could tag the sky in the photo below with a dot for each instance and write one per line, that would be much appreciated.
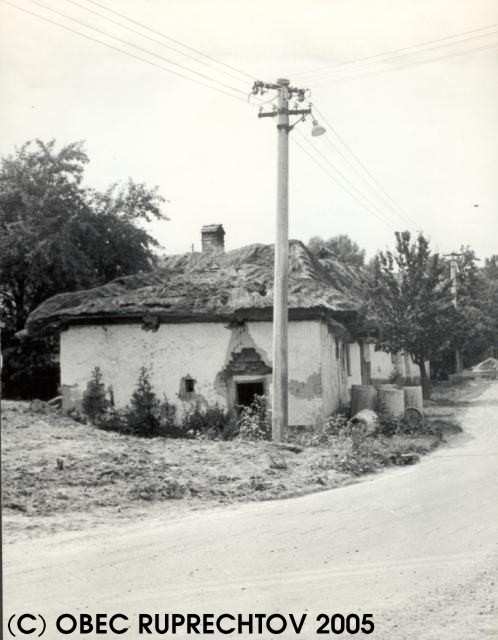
(422, 122)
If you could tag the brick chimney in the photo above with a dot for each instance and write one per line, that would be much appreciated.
(213, 238)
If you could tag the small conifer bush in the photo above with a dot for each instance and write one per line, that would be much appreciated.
(144, 412)
(95, 403)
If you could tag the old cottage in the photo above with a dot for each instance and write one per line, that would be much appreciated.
(202, 325)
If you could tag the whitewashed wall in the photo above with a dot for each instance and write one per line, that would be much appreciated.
(335, 377)
(200, 350)
(382, 364)
(305, 383)
(355, 364)
(330, 380)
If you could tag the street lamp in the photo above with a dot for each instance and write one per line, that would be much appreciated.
(317, 129)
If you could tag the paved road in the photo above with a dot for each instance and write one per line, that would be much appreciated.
(417, 547)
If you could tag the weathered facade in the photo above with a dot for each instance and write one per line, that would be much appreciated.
(224, 363)
(202, 326)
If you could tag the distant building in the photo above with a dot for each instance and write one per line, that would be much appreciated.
(202, 325)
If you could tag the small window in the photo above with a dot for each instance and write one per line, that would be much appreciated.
(187, 388)
(189, 385)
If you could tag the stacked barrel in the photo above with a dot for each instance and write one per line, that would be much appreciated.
(387, 399)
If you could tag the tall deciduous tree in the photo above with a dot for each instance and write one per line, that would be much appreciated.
(478, 307)
(411, 302)
(341, 247)
(56, 235)
(490, 275)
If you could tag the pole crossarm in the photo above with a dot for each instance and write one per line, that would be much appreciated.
(299, 112)
(289, 112)
(286, 112)
(260, 87)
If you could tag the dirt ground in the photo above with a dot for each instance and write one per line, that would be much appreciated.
(414, 547)
(58, 474)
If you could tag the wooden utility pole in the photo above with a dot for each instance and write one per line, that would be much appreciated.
(454, 291)
(1, 374)
(280, 409)
(1, 518)
(281, 266)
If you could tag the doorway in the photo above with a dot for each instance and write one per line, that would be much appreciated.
(246, 391)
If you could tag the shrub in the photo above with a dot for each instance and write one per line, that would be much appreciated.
(309, 437)
(95, 403)
(254, 422)
(325, 433)
(143, 415)
(371, 454)
(337, 424)
(114, 420)
(127, 421)
(389, 426)
(167, 418)
(212, 422)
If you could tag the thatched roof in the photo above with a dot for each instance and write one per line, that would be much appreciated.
(200, 286)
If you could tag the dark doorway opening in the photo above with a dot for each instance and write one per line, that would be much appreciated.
(246, 392)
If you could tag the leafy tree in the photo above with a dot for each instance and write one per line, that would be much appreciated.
(491, 269)
(57, 235)
(341, 247)
(477, 299)
(411, 302)
(475, 332)
(490, 301)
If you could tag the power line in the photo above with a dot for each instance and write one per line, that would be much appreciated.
(144, 26)
(392, 204)
(156, 41)
(371, 203)
(345, 188)
(333, 179)
(131, 55)
(135, 46)
(413, 64)
(414, 47)
(210, 79)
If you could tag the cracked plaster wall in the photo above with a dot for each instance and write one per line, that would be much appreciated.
(201, 350)
(305, 394)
